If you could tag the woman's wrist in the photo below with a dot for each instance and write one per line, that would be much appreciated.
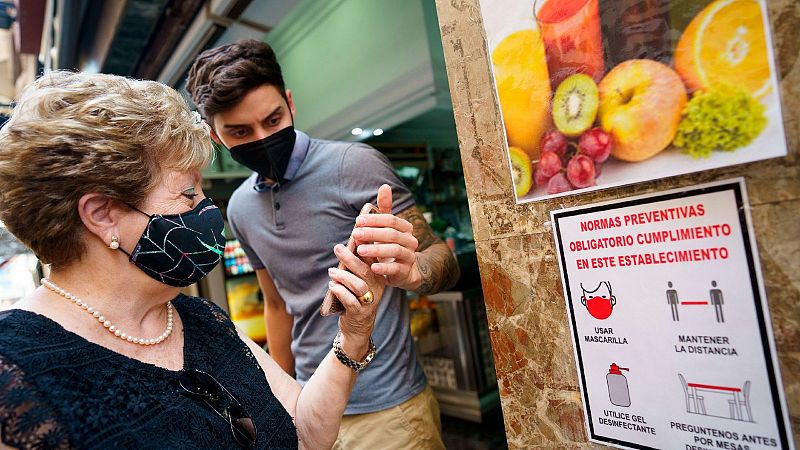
(355, 347)
(344, 358)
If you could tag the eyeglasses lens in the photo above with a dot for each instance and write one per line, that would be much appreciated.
(200, 384)
(244, 431)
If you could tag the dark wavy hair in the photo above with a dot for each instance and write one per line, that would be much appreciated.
(221, 76)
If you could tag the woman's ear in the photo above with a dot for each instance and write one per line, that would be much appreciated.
(100, 215)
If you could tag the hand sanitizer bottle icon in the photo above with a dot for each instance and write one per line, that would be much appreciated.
(618, 391)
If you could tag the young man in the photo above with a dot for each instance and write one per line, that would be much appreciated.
(302, 200)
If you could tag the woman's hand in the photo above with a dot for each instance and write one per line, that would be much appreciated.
(358, 319)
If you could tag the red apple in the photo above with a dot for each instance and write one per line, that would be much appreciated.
(641, 102)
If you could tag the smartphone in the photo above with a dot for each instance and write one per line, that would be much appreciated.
(331, 304)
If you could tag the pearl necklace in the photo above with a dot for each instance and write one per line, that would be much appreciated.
(107, 323)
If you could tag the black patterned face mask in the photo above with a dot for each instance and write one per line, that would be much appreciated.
(180, 249)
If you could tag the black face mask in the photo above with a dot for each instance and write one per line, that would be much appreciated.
(269, 157)
(180, 249)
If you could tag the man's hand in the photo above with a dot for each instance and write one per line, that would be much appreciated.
(409, 255)
(390, 240)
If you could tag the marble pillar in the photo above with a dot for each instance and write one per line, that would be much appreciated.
(527, 316)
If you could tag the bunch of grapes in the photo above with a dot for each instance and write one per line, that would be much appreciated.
(565, 165)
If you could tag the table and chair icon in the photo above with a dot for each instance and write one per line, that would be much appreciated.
(708, 400)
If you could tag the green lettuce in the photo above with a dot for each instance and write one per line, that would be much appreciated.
(723, 118)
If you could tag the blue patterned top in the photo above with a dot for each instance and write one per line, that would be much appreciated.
(58, 390)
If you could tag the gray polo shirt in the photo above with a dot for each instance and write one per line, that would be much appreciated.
(291, 229)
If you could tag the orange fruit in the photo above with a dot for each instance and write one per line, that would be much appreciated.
(725, 43)
(523, 86)
(521, 170)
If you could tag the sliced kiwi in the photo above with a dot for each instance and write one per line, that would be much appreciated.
(575, 104)
(521, 170)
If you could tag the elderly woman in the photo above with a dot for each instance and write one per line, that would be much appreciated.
(100, 177)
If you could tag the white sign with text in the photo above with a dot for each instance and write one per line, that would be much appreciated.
(670, 323)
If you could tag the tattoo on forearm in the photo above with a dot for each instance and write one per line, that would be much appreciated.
(436, 263)
(439, 269)
(422, 231)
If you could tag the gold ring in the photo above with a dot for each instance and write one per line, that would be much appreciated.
(367, 298)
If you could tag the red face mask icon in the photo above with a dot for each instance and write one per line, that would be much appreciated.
(599, 302)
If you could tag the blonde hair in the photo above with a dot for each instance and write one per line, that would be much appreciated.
(75, 133)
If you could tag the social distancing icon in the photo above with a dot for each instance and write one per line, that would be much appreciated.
(715, 299)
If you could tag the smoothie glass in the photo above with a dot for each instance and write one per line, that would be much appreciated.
(572, 40)
(636, 29)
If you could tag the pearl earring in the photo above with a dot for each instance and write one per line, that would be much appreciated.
(114, 243)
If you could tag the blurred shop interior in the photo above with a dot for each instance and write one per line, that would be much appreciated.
(355, 76)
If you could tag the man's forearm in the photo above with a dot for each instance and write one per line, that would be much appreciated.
(436, 265)
(279, 337)
(438, 269)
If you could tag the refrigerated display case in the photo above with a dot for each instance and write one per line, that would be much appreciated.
(457, 357)
(451, 335)
(233, 285)
(19, 269)
(246, 306)
(18, 277)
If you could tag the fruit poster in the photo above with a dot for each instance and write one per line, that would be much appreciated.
(603, 93)
(670, 322)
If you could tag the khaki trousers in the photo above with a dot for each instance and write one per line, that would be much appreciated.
(413, 424)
